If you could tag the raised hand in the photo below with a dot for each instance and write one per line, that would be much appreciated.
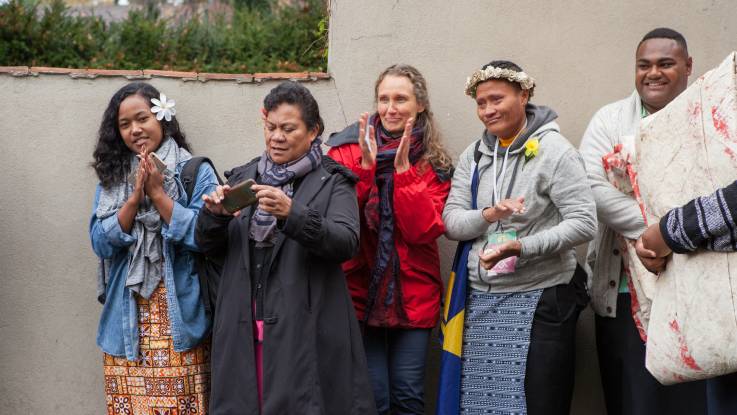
(368, 149)
(273, 200)
(401, 159)
(504, 209)
(138, 191)
(154, 184)
(213, 201)
(127, 213)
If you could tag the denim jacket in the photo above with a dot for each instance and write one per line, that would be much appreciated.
(117, 333)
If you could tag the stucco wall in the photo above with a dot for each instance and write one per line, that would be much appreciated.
(581, 54)
(48, 311)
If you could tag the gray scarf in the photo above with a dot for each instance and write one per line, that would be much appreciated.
(282, 176)
(146, 261)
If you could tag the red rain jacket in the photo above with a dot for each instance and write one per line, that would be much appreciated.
(419, 198)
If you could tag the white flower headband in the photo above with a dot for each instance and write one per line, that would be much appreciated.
(492, 72)
(163, 107)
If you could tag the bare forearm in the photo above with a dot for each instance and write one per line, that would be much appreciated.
(127, 214)
(164, 205)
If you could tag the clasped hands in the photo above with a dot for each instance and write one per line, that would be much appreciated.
(149, 180)
(369, 150)
(652, 249)
(270, 199)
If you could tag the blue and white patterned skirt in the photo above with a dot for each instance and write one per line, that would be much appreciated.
(496, 339)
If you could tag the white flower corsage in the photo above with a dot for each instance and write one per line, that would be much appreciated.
(163, 108)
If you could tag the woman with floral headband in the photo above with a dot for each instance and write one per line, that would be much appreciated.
(395, 279)
(153, 321)
(520, 201)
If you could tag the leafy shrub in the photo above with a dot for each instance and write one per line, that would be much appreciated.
(241, 37)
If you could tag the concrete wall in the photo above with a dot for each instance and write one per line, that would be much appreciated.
(581, 54)
(48, 311)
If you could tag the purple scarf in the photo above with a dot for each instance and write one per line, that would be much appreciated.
(379, 214)
(282, 176)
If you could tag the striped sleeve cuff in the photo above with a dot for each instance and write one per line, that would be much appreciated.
(706, 222)
(672, 231)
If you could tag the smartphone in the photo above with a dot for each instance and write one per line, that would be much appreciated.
(239, 196)
(160, 165)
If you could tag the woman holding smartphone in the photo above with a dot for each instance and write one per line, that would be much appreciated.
(286, 339)
(153, 322)
(404, 179)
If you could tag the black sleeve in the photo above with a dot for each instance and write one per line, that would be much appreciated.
(706, 222)
(211, 232)
(334, 236)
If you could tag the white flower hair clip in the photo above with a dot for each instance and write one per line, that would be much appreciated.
(492, 72)
(163, 107)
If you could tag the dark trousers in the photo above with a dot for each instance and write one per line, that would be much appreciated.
(396, 365)
(629, 389)
(721, 395)
(551, 359)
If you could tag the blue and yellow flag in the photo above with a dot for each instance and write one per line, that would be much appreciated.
(451, 324)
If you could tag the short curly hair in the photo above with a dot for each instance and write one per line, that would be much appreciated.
(289, 92)
(665, 33)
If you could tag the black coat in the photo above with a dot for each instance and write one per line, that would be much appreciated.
(313, 358)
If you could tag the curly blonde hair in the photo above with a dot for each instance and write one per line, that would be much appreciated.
(435, 153)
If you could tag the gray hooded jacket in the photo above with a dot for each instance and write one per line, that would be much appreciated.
(559, 207)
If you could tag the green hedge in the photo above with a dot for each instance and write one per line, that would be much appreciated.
(247, 39)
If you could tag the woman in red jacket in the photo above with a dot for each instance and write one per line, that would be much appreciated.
(395, 278)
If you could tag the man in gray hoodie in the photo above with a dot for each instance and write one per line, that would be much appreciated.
(662, 69)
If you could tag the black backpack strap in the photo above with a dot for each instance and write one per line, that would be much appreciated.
(477, 152)
(188, 176)
(207, 268)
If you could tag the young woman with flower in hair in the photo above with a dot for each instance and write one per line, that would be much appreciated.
(404, 179)
(521, 203)
(153, 321)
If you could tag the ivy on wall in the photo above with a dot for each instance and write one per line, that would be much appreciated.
(237, 37)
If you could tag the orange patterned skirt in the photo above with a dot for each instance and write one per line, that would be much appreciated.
(162, 381)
